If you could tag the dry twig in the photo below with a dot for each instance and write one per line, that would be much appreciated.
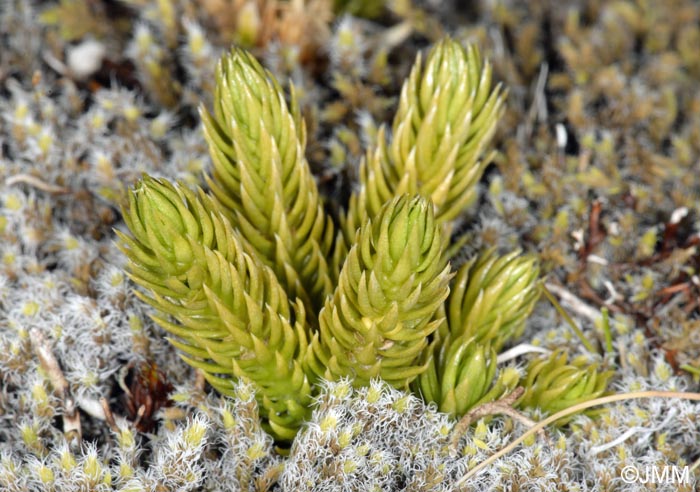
(574, 303)
(71, 417)
(37, 183)
(570, 411)
(503, 406)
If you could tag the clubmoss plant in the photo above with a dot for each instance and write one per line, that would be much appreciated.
(490, 301)
(241, 276)
(262, 180)
(446, 118)
(493, 296)
(384, 309)
(464, 373)
(553, 383)
(232, 317)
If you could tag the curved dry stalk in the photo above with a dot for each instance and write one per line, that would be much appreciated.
(574, 303)
(109, 416)
(518, 350)
(570, 411)
(71, 417)
(37, 183)
(502, 406)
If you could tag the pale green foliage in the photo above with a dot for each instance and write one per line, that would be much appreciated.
(170, 226)
(60, 277)
(462, 373)
(446, 118)
(240, 276)
(391, 285)
(553, 383)
(262, 178)
(493, 296)
(231, 315)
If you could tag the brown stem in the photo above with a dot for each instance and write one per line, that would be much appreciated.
(71, 417)
(502, 406)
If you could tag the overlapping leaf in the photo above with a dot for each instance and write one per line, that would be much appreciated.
(263, 180)
(228, 313)
(446, 118)
(394, 280)
(553, 383)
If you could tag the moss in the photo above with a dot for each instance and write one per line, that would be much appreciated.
(594, 173)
